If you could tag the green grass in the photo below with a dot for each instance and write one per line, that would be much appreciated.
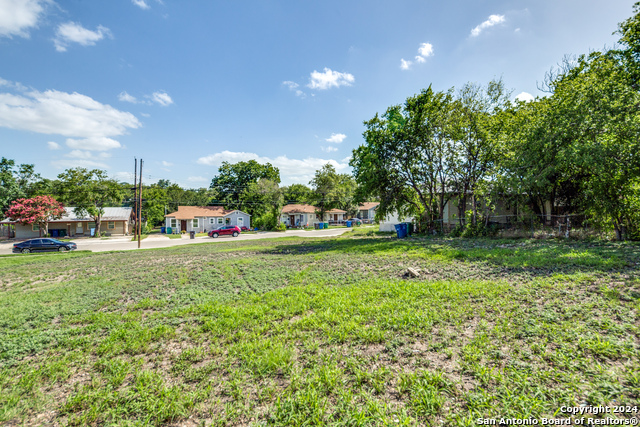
(295, 331)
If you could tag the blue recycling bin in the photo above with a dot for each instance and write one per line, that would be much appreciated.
(321, 225)
(348, 223)
(54, 233)
(402, 230)
(163, 230)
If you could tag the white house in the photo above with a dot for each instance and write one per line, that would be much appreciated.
(297, 215)
(367, 211)
(205, 218)
(390, 221)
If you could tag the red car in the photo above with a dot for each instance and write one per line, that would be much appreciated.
(244, 228)
(224, 230)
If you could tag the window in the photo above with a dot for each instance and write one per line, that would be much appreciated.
(219, 220)
(91, 225)
(174, 223)
(240, 220)
(111, 225)
(195, 222)
(35, 227)
(212, 220)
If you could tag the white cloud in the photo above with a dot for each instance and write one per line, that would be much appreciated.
(162, 98)
(197, 179)
(490, 22)
(18, 16)
(53, 145)
(167, 164)
(293, 86)
(72, 32)
(524, 96)
(336, 137)
(329, 79)
(141, 4)
(125, 97)
(329, 149)
(79, 154)
(291, 170)
(78, 163)
(93, 143)
(68, 114)
(425, 50)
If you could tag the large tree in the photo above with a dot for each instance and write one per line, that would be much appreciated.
(38, 210)
(297, 193)
(16, 181)
(234, 178)
(406, 161)
(90, 191)
(324, 185)
(266, 199)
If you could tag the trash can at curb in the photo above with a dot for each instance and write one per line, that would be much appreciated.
(192, 234)
(316, 226)
(401, 230)
(348, 223)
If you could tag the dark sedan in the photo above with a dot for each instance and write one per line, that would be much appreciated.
(42, 245)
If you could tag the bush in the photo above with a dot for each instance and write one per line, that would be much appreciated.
(266, 221)
(281, 227)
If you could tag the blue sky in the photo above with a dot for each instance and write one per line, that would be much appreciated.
(188, 84)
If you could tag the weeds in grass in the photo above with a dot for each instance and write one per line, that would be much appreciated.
(319, 332)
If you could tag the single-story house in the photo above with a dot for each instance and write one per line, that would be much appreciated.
(367, 211)
(336, 215)
(298, 214)
(114, 222)
(205, 218)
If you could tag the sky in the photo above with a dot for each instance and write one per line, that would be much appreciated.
(186, 85)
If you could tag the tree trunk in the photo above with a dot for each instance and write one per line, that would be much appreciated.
(474, 206)
(618, 227)
(462, 209)
(97, 220)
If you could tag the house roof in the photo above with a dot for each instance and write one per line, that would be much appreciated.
(298, 208)
(368, 205)
(191, 212)
(336, 211)
(110, 214)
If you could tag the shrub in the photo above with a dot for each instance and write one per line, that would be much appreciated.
(281, 227)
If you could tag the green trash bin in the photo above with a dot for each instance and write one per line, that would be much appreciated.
(169, 230)
(410, 228)
(326, 225)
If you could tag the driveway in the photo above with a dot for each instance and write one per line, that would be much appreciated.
(160, 241)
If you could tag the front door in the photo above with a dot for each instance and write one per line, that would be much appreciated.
(292, 220)
(183, 225)
(335, 217)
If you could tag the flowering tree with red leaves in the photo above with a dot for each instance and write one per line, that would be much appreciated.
(38, 210)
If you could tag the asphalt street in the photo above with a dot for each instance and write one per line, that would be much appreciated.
(160, 241)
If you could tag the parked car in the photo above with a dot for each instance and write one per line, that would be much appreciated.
(356, 221)
(232, 230)
(42, 245)
(244, 228)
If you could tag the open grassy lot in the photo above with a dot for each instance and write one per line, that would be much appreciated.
(319, 332)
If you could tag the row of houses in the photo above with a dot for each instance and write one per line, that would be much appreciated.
(119, 221)
(205, 218)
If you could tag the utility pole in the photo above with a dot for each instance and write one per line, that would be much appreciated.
(135, 194)
(140, 205)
